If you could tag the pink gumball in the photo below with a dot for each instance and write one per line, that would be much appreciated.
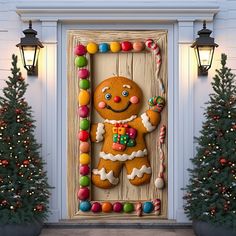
(80, 50)
(84, 170)
(134, 100)
(84, 147)
(83, 194)
(117, 207)
(101, 105)
(96, 207)
(83, 111)
(83, 73)
(138, 46)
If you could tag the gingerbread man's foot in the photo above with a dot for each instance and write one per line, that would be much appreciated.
(145, 179)
(139, 171)
(107, 174)
(104, 180)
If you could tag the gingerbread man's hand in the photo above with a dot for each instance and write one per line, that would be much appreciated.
(156, 103)
(97, 132)
(154, 117)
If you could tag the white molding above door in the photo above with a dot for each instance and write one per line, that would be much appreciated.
(125, 11)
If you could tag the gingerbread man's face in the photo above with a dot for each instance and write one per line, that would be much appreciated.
(117, 98)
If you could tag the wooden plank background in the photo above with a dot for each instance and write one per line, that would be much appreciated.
(139, 67)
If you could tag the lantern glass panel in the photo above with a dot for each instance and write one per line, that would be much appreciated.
(29, 56)
(205, 56)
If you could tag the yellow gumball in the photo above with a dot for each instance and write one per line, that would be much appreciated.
(115, 46)
(92, 48)
(84, 97)
(84, 159)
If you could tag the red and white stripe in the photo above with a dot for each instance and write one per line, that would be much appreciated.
(157, 206)
(138, 209)
(159, 182)
(156, 51)
(162, 134)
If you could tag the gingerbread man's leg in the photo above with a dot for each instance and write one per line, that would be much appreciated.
(107, 173)
(138, 170)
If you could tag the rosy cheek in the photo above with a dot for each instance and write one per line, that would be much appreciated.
(134, 100)
(101, 105)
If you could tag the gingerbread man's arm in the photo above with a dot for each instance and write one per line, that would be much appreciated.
(148, 121)
(97, 132)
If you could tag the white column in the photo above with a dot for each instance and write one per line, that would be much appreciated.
(50, 116)
(184, 114)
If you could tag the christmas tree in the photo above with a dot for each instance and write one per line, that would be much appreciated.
(211, 193)
(23, 183)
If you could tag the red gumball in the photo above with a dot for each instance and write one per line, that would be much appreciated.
(80, 50)
(117, 207)
(84, 170)
(83, 194)
(96, 207)
(83, 135)
(126, 46)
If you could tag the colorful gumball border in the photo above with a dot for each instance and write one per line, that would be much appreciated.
(81, 62)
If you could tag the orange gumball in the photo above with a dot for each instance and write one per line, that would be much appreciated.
(106, 207)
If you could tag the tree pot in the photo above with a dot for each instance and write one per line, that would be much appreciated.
(26, 229)
(206, 229)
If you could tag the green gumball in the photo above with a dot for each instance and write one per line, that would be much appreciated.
(128, 207)
(81, 61)
(84, 181)
(84, 84)
(84, 124)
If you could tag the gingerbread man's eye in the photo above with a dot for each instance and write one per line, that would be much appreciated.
(107, 96)
(125, 93)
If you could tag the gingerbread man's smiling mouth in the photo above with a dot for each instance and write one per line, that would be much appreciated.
(121, 110)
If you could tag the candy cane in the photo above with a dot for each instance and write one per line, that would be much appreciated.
(157, 52)
(157, 206)
(162, 134)
(138, 209)
(159, 182)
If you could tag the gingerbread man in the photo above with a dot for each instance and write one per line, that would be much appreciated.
(118, 101)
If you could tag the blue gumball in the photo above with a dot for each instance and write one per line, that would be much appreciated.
(85, 206)
(148, 207)
(103, 47)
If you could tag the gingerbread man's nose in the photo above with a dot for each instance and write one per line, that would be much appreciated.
(117, 99)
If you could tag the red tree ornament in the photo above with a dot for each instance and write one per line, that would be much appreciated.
(39, 207)
(26, 162)
(18, 111)
(223, 161)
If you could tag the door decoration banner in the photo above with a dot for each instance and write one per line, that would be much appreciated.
(117, 124)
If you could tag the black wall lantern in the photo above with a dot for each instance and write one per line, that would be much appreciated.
(204, 47)
(29, 48)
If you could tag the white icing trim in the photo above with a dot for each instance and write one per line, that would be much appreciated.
(146, 123)
(126, 86)
(123, 157)
(104, 89)
(109, 176)
(100, 131)
(113, 122)
(139, 172)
